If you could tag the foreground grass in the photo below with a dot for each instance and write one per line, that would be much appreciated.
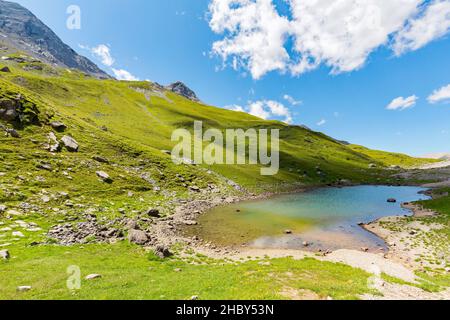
(128, 272)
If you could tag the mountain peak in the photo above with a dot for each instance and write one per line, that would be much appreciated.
(22, 30)
(183, 90)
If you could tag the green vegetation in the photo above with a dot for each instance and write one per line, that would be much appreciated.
(130, 273)
(128, 125)
(392, 159)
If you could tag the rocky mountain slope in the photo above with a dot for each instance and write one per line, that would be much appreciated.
(20, 29)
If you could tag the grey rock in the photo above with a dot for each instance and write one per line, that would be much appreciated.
(12, 132)
(100, 159)
(181, 89)
(93, 276)
(23, 288)
(153, 213)
(5, 69)
(70, 143)
(3, 208)
(104, 176)
(162, 251)
(4, 254)
(138, 237)
(58, 126)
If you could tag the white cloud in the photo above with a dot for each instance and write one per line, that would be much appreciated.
(402, 103)
(103, 52)
(339, 34)
(321, 122)
(442, 94)
(431, 24)
(291, 100)
(265, 109)
(121, 74)
(235, 107)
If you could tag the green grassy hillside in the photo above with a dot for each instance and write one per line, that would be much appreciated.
(123, 129)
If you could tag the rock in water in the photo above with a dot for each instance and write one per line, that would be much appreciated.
(138, 237)
(104, 176)
(392, 200)
(70, 143)
(4, 254)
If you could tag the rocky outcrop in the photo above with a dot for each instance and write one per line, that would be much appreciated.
(26, 32)
(181, 89)
(18, 110)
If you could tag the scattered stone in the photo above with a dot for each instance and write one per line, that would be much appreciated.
(305, 244)
(154, 213)
(372, 165)
(177, 270)
(58, 126)
(3, 208)
(12, 132)
(104, 176)
(162, 251)
(288, 231)
(193, 298)
(18, 234)
(4, 254)
(5, 69)
(70, 143)
(365, 249)
(100, 159)
(138, 237)
(93, 276)
(23, 288)
(194, 188)
(53, 145)
(131, 224)
(45, 166)
(121, 210)
(45, 199)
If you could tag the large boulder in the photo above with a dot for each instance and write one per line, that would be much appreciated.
(70, 143)
(138, 237)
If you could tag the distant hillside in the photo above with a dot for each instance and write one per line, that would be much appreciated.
(392, 159)
(20, 29)
(438, 156)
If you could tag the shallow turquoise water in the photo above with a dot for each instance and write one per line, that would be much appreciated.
(332, 216)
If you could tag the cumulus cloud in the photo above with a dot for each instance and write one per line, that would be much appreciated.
(339, 34)
(431, 24)
(121, 74)
(265, 109)
(442, 94)
(103, 52)
(402, 103)
(291, 100)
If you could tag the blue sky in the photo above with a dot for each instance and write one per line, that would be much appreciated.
(171, 40)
